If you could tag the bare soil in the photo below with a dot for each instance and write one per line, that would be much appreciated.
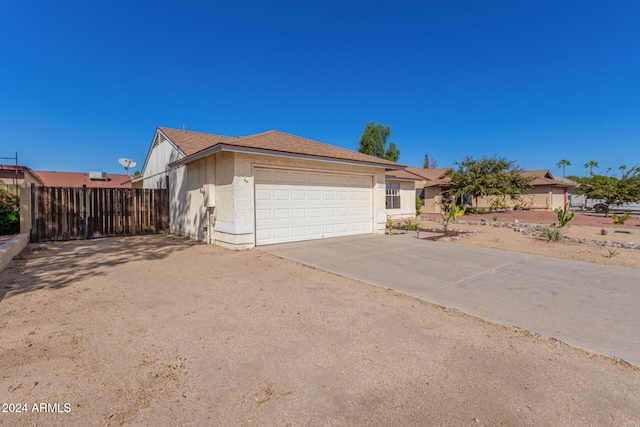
(586, 226)
(159, 330)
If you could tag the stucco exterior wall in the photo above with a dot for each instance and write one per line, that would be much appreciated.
(8, 183)
(188, 214)
(539, 197)
(407, 201)
(243, 186)
(231, 223)
(559, 198)
(432, 200)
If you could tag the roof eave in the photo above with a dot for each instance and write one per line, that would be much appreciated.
(393, 178)
(235, 149)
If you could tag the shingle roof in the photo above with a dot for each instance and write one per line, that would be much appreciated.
(544, 177)
(402, 174)
(429, 174)
(190, 142)
(78, 179)
(274, 141)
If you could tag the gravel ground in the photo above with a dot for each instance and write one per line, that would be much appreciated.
(590, 219)
(586, 226)
(158, 330)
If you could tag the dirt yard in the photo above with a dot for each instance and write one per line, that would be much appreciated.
(158, 330)
(586, 226)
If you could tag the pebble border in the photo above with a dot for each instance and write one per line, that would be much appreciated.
(536, 230)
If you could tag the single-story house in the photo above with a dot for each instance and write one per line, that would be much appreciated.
(272, 187)
(12, 175)
(547, 192)
(400, 200)
(78, 179)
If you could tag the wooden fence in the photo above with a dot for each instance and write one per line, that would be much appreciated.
(61, 213)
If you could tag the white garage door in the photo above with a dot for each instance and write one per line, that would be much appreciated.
(298, 205)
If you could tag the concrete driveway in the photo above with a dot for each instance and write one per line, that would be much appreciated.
(586, 305)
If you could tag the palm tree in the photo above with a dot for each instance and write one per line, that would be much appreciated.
(622, 168)
(591, 164)
(563, 163)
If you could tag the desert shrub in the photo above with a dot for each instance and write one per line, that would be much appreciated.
(450, 215)
(621, 219)
(389, 225)
(564, 215)
(482, 210)
(552, 233)
(498, 203)
(9, 213)
(418, 205)
(410, 224)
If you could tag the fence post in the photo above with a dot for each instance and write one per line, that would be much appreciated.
(84, 211)
(167, 206)
(32, 227)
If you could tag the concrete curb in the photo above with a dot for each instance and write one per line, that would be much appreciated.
(12, 248)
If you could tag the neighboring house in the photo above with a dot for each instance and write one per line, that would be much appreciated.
(400, 189)
(78, 179)
(431, 184)
(272, 187)
(547, 191)
(12, 175)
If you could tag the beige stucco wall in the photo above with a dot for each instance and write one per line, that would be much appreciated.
(432, 200)
(407, 201)
(233, 216)
(244, 185)
(188, 214)
(539, 197)
(8, 184)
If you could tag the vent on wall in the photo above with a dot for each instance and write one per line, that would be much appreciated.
(159, 139)
(98, 175)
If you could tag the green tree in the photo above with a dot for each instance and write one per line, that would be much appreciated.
(611, 190)
(487, 176)
(374, 142)
(591, 164)
(563, 164)
(9, 213)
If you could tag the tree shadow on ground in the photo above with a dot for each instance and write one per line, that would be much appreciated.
(57, 265)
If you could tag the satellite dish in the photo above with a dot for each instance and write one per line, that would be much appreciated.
(127, 163)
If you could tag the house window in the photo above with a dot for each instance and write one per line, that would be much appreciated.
(393, 195)
(464, 200)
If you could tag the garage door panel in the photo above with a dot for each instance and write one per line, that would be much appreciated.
(315, 231)
(263, 194)
(298, 195)
(264, 235)
(329, 229)
(282, 233)
(281, 214)
(263, 214)
(281, 194)
(315, 213)
(299, 205)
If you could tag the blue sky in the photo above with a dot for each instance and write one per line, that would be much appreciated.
(84, 83)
